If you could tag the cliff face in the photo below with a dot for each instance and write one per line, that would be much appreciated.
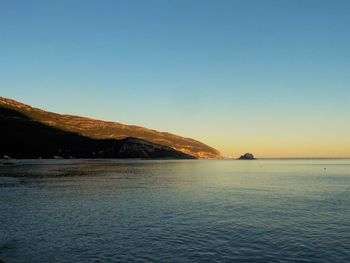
(103, 130)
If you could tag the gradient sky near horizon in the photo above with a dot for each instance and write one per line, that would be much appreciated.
(267, 77)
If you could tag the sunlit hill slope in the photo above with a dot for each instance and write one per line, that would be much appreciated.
(97, 129)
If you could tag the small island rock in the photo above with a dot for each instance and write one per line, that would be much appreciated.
(247, 156)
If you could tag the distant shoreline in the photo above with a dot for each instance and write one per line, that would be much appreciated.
(2, 161)
(296, 158)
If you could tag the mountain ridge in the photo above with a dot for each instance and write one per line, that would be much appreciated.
(22, 137)
(100, 129)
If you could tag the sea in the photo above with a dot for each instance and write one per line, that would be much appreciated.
(286, 210)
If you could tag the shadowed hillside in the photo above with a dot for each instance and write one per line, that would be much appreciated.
(97, 129)
(23, 137)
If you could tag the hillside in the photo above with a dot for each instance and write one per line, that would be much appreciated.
(22, 137)
(103, 130)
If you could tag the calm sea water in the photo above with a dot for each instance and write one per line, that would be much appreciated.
(175, 211)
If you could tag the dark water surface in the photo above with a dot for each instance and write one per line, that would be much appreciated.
(175, 211)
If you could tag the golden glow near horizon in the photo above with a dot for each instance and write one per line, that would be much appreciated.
(289, 152)
(285, 149)
(283, 145)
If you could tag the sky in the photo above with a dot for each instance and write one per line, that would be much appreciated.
(269, 77)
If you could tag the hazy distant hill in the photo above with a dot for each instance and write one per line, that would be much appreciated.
(103, 131)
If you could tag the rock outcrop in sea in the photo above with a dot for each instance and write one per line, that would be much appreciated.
(247, 156)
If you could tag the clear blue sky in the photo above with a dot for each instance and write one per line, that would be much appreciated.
(270, 77)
